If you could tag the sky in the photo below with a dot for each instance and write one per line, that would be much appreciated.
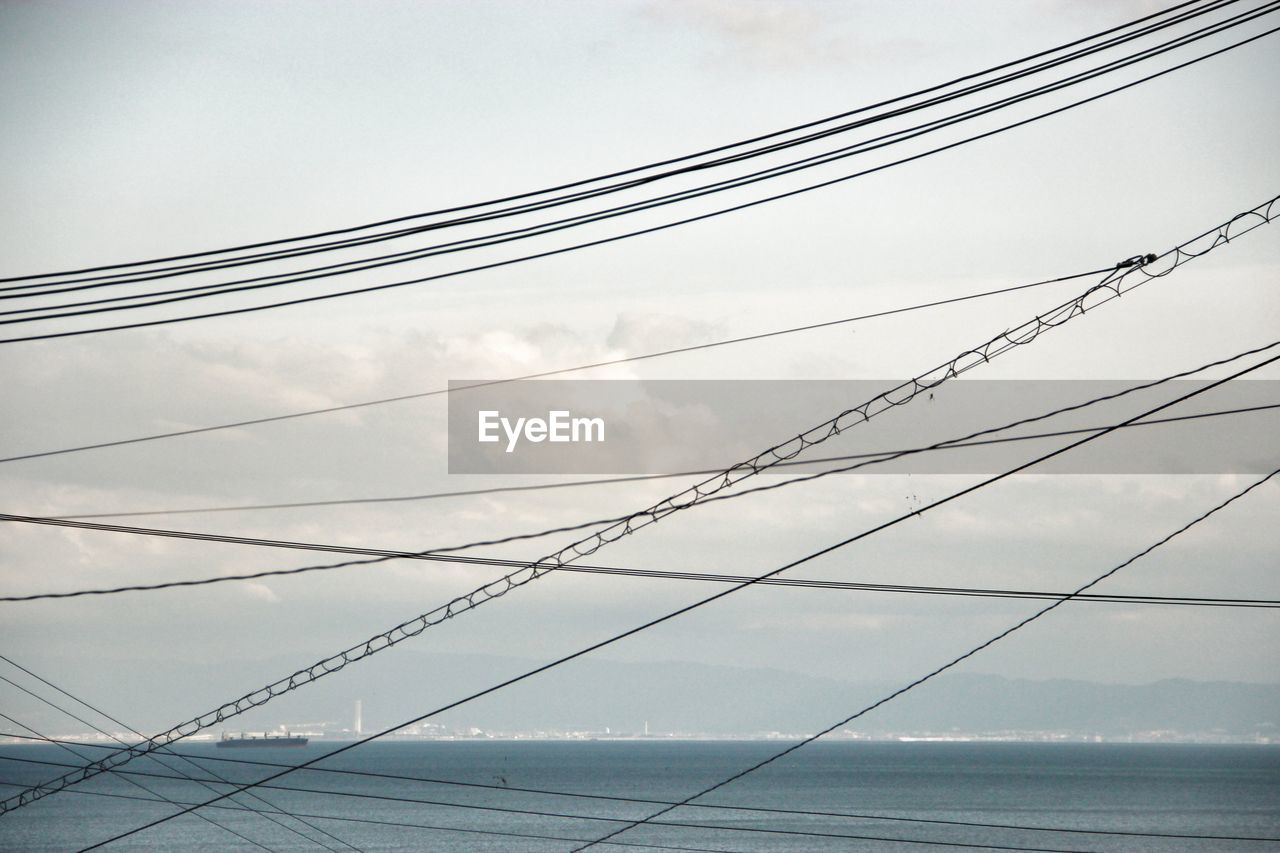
(138, 129)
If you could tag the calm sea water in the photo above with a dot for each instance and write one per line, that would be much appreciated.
(1176, 789)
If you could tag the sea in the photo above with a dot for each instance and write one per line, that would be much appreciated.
(537, 795)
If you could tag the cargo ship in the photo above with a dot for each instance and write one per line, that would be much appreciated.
(262, 741)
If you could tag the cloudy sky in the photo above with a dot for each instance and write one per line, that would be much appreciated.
(136, 130)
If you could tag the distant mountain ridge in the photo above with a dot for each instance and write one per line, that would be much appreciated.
(691, 698)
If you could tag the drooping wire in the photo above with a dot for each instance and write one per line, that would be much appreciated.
(158, 797)
(713, 807)
(267, 815)
(715, 577)
(406, 825)
(717, 596)
(1111, 287)
(954, 661)
(587, 818)
(654, 229)
(775, 171)
(635, 478)
(418, 395)
(446, 554)
(503, 237)
(622, 173)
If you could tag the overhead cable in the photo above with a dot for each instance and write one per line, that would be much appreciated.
(875, 143)
(157, 797)
(446, 553)
(270, 815)
(713, 807)
(418, 395)
(950, 664)
(1111, 287)
(636, 478)
(1178, 8)
(626, 235)
(30, 794)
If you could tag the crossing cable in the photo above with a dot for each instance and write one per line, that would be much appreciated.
(158, 797)
(441, 554)
(649, 846)
(503, 237)
(715, 577)
(953, 662)
(418, 395)
(635, 478)
(622, 173)
(1111, 287)
(559, 225)
(434, 827)
(207, 784)
(626, 235)
(585, 818)
(516, 789)
(89, 769)
(437, 828)
(364, 264)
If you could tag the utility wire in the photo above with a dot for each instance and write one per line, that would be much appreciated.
(158, 797)
(84, 773)
(515, 789)
(954, 661)
(557, 225)
(585, 818)
(715, 577)
(434, 827)
(418, 395)
(1111, 287)
(207, 784)
(602, 481)
(616, 174)
(650, 846)
(440, 555)
(771, 172)
(626, 235)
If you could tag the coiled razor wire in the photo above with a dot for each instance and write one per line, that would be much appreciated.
(1126, 276)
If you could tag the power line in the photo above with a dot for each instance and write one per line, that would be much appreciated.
(159, 798)
(418, 395)
(343, 268)
(167, 752)
(626, 235)
(666, 824)
(440, 555)
(1111, 287)
(954, 661)
(616, 174)
(403, 824)
(601, 481)
(516, 789)
(715, 577)
(202, 291)
(30, 794)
